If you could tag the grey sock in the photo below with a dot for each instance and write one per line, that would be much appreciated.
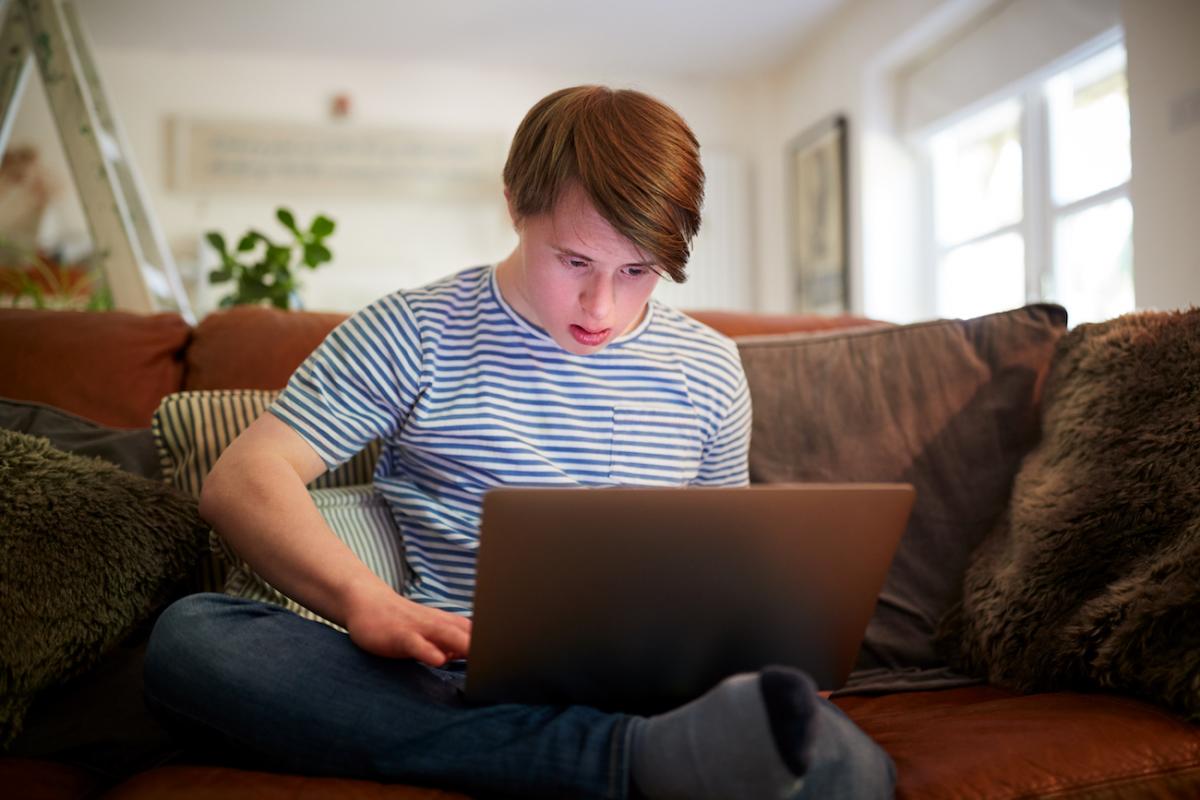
(747, 739)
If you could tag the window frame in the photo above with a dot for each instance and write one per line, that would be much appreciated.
(1040, 214)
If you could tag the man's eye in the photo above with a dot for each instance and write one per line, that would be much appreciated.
(636, 272)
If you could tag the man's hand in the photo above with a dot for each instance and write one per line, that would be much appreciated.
(386, 624)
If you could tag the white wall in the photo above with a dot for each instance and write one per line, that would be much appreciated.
(378, 246)
(1162, 38)
(839, 69)
(1001, 46)
(849, 65)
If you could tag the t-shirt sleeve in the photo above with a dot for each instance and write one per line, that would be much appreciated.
(724, 461)
(359, 385)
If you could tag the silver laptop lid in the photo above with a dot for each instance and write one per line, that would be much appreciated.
(639, 599)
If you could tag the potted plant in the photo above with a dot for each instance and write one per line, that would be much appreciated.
(35, 279)
(263, 271)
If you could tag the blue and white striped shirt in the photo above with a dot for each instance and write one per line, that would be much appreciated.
(467, 395)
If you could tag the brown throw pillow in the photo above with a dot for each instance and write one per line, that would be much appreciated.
(87, 551)
(949, 406)
(1092, 578)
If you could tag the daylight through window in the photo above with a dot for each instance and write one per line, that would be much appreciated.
(1030, 197)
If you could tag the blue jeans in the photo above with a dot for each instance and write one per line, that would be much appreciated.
(298, 696)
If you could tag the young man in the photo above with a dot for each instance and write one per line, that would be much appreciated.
(554, 367)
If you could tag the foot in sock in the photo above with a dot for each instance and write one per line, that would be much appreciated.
(749, 738)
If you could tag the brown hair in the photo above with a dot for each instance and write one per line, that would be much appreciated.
(635, 157)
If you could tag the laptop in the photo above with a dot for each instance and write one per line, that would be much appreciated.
(640, 599)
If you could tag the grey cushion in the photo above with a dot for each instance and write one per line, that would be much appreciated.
(131, 450)
(949, 406)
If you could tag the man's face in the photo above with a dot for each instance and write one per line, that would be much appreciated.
(575, 276)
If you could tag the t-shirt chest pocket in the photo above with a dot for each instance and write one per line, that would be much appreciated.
(655, 444)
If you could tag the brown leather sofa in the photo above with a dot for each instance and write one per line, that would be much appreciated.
(967, 742)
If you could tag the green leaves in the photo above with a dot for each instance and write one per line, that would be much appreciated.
(262, 269)
(321, 227)
(316, 254)
(289, 222)
(249, 240)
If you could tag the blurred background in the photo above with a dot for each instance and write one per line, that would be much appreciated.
(997, 152)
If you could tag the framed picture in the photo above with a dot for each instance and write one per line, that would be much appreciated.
(817, 218)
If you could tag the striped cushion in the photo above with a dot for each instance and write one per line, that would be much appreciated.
(360, 518)
(191, 429)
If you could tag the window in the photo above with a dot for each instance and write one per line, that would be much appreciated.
(1029, 197)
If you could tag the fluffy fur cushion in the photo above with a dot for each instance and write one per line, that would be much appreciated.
(86, 552)
(1092, 579)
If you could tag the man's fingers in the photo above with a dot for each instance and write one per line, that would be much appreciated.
(451, 639)
(428, 635)
(423, 650)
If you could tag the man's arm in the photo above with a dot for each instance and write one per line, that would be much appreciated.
(255, 497)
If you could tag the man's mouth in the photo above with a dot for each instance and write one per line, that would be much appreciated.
(589, 338)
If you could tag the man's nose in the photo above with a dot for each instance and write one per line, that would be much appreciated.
(597, 299)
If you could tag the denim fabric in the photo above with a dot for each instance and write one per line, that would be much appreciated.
(298, 696)
(289, 694)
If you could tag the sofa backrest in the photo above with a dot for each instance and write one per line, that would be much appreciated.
(252, 347)
(112, 367)
(115, 367)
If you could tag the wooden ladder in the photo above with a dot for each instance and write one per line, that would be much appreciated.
(128, 245)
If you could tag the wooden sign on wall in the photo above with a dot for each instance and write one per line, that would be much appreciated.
(295, 159)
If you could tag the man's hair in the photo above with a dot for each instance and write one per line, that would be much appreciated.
(635, 157)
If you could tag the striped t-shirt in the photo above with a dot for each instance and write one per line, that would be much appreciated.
(466, 395)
